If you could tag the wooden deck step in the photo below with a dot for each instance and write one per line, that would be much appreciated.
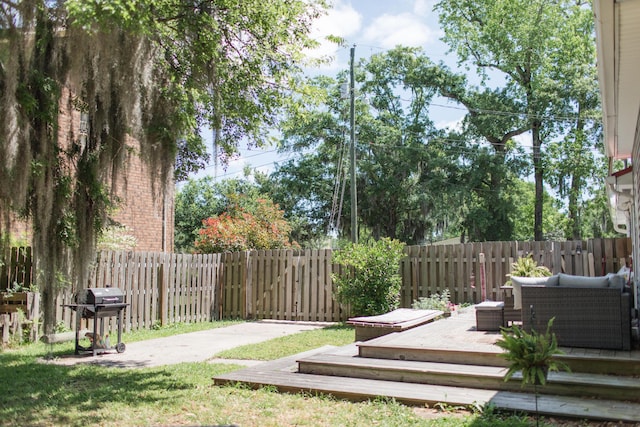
(456, 340)
(420, 354)
(464, 375)
(283, 374)
(579, 360)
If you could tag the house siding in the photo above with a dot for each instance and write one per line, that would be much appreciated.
(635, 214)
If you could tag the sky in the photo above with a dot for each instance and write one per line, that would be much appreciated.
(372, 26)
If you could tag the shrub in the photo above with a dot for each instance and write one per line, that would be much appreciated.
(370, 280)
(437, 301)
(240, 230)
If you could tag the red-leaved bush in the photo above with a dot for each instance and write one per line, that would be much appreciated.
(239, 230)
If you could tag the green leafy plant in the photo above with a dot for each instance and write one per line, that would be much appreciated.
(116, 238)
(437, 301)
(370, 280)
(532, 353)
(527, 267)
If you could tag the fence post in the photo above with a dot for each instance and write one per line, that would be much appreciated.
(246, 284)
(483, 276)
(164, 295)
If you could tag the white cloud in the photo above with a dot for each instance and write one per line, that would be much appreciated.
(388, 31)
(423, 7)
(341, 21)
(455, 125)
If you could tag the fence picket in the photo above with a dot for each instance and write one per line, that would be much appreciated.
(297, 285)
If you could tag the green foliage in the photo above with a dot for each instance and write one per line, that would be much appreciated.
(369, 279)
(596, 221)
(532, 354)
(523, 197)
(527, 267)
(116, 238)
(199, 199)
(404, 171)
(148, 74)
(533, 46)
(436, 301)
(241, 230)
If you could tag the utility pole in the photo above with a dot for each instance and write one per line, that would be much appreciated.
(352, 111)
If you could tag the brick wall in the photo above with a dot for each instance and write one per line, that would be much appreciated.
(146, 209)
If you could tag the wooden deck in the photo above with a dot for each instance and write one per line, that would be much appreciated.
(448, 361)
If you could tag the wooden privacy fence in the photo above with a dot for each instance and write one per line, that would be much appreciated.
(166, 288)
(475, 271)
(160, 288)
(296, 285)
(15, 268)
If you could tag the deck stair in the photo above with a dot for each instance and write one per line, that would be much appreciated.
(428, 367)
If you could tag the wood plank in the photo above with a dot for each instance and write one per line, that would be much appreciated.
(322, 289)
(282, 375)
(423, 274)
(433, 271)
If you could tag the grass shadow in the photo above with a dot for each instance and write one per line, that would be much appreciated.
(35, 393)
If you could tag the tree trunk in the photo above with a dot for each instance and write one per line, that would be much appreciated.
(538, 170)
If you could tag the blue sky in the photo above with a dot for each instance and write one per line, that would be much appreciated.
(373, 26)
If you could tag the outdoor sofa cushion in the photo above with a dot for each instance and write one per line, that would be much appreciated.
(583, 281)
(518, 282)
(611, 280)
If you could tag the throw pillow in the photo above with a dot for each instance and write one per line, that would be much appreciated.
(518, 282)
(583, 281)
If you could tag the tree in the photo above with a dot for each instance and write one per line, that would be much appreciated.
(403, 160)
(241, 230)
(575, 161)
(522, 196)
(199, 199)
(415, 182)
(309, 185)
(515, 39)
(152, 70)
(402, 165)
(596, 217)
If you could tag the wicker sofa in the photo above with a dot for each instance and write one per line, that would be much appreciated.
(590, 312)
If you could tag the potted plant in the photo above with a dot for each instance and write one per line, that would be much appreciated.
(527, 267)
(533, 354)
(523, 267)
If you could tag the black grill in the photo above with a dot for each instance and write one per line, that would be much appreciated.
(106, 302)
(98, 303)
(100, 296)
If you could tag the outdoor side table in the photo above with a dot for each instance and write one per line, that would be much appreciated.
(489, 315)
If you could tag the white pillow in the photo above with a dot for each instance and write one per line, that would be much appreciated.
(517, 283)
(583, 281)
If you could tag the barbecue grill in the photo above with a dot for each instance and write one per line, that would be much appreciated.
(98, 304)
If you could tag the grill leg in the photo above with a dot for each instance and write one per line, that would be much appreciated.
(95, 332)
(78, 321)
(119, 326)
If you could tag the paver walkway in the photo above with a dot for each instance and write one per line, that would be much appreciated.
(192, 347)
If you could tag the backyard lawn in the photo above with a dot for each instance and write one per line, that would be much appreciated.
(41, 394)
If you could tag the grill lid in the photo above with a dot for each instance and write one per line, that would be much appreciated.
(100, 296)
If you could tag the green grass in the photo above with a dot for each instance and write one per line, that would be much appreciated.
(42, 394)
(338, 335)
